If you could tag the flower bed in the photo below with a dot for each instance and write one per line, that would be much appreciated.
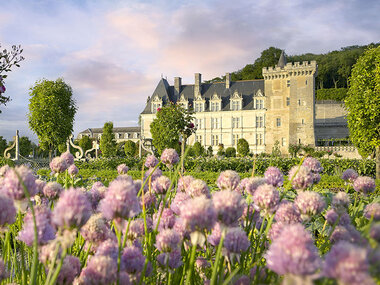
(171, 228)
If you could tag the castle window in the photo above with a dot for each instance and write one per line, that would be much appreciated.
(198, 139)
(215, 106)
(126, 135)
(199, 123)
(288, 83)
(215, 140)
(135, 135)
(259, 104)
(306, 82)
(303, 121)
(299, 141)
(235, 105)
(214, 123)
(155, 107)
(259, 122)
(287, 101)
(283, 141)
(299, 102)
(199, 107)
(235, 139)
(259, 139)
(278, 122)
(235, 122)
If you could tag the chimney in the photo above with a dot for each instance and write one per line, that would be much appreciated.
(177, 86)
(197, 85)
(228, 80)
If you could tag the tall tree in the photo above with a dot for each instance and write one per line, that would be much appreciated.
(171, 122)
(51, 112)
(85, 143)
(363, 104)
(3, 145)
(107, 141)
(25, 146)
(130, 148)
(242, 147)
(8, 59)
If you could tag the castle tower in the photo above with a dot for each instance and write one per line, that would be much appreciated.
(290, 96)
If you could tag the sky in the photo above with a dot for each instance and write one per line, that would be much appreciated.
(113, 53)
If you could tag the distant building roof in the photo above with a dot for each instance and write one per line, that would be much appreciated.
(115, 130)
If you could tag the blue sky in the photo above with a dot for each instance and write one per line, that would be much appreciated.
(113, 53)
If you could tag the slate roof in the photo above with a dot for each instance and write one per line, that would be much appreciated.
(115, 130)
(246, 88)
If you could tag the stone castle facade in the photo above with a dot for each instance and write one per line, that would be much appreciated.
(277, 110)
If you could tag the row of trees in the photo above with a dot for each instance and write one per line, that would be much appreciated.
(334, 68)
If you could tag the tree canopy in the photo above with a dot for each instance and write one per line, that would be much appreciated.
(171, 122)
(107, 141)
(130, 148)
(8, 59)
(51, 112)
(334, 68)
(363, 104)
(85, 143)
(242, 147)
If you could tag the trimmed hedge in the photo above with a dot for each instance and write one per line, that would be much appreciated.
(336, 94)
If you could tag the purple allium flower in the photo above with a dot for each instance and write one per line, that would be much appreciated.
(346, 233)
(3, 273)
(332, 216)
(303, 179)
(167, 219)
(172, 259)
(72, 209)
(340, 202)
(316, 178)
(364, 184)
(52, 190)
(124, 279)
(202, 262)
(69, 270)
(293, 252)
(184, 182)
(251, 184)
(7, 211)
(73, 170)
(309, 204)
(137, 227)
(96, 229)
(253, 216)
(228, 180)
(287, 213)
(4, 169)
(350, 175)
(168, 240)
(229, 206)
(46, 253)
(68, 157)
(58, 164)
(99, 270)
(122, 169)
(273, 176)
(243, 280)
(375, 232)
(161, 185)
(151, 161)
(120, 201)
(40, 184)
(275, 230)
(155, 174)
(313, 164)
(262, 273)
(178, 200)
(236, 241)
(45, 229)
(149, 200)
(132, 260)
(108, 248)
(347, 263)
(198, 214)
(169, 157)
(197, 188)
(216, 235)
(12, 186)
(266, 198)
(372, 209)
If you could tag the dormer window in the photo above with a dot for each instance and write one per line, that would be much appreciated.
(126, 135)
(199, 104)
(215, 103)
(236, 102)
(258, 100)
(183, 102)
(259, 104)
(156, 104)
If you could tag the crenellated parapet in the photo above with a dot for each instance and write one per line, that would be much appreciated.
(304, 68)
